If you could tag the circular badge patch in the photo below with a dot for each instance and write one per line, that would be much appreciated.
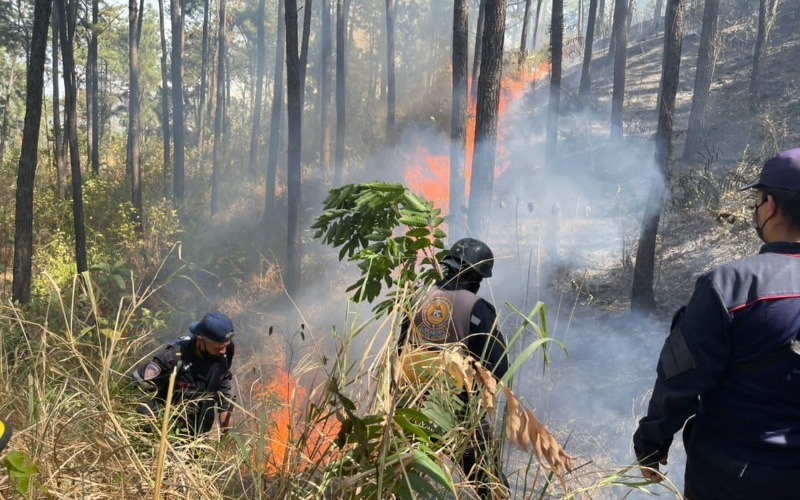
(433, 319)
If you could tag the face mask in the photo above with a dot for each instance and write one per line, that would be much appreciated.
(760, 229)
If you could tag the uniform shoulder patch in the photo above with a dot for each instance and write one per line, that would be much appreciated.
(433, 319)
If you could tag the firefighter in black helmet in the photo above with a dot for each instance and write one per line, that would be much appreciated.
(450, 311)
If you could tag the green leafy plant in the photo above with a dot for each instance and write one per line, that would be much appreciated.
(363, 219)
(21, 468)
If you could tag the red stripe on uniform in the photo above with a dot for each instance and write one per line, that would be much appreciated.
(762, 299)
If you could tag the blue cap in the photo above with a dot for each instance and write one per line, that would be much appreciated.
(780, 172)
(214, 326)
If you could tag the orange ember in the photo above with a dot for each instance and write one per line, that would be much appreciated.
(428, 174)
(285, 436)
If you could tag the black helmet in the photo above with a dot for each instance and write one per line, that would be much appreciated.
(470, 254)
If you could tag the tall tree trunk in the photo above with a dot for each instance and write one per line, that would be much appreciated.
(601, 18)
(201, 105)
(458, 120)
(303, 58)
(476, 58)
(390, 79)
(706, 59)
(579, 27)
(620, 58)
(556, 55)
(341, 79)
(326, 46)
(178, 129)
(586, 77)
(480, 190)
(6, 106)
(166, 167)
(68, 61)
(219, 116)
(761, 37)
(23, 209)
(523, 38)
(536, 23)
(135, 8)
(659, 8)
(92, 111)
(59, 139)
(261, 62)
(276, 117)
(293, 168)
(642, 293)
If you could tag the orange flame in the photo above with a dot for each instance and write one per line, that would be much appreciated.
(428, 174)
(286, 436)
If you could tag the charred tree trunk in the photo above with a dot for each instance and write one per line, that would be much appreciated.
(481, 182)
(390, 79)
(261, 62)
(219, 115)
(556, 55)
(620, 58)
(476, 59)
(166, 167)
(23, 209)
(135, 8)
(642, 293)
(761, 37)
(341, 79)
(586, 77)
(303, 58)
(92, 112)
(458, 119)
(276, 117)
(294, 114)
(523, 39)
(706, 59)
(68, 62)
(178, 129)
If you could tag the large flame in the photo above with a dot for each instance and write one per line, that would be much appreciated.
(428, 173)
(288, 434)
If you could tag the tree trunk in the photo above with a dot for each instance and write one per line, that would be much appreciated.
(601, 18)
(341, 79)
(659, 8)
(201, 105)
(620, 57)
(706, 59)
(166, 167)
(556, 55)
(178, 130)
(92, 144)
(523, 39)
(68, 62)
(261, 62)
(390, 79)
(480, 195)
(293, 168)
(761, 36)
(642, 293)
(536, 23)
(59, 139)
(586, 77)
(326, 46)
(476, 58)
(458, 120)
(135, 8)
(276, 117)
(219, 115)
(23, 209)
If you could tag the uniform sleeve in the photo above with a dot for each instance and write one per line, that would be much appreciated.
(486, 342)
(691, 362)
(224, 401)
(161, 365)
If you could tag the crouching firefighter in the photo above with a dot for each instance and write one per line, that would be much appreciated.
(203, 382)
(451, 312)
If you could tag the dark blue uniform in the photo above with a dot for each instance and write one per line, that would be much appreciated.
(731, 362)
(203, 384)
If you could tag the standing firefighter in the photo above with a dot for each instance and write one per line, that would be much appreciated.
(203, 383)
(731, 363)
(450, 312)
